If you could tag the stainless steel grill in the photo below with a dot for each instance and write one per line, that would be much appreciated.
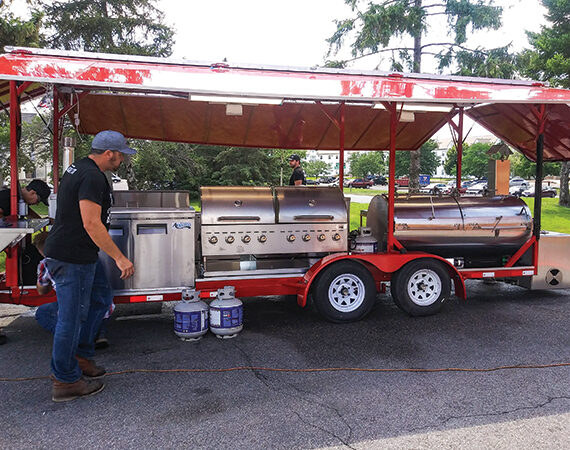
(262, 228)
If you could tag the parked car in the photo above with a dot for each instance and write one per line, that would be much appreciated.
(547, 191)
(477, 189)
(450, 186)
(327, 180)
(312, 182)
(380, 179)
(402, 181)
(360, 183)
(518, 182)
(433, 188)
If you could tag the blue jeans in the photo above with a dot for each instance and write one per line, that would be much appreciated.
(83, 298)
(46, 315)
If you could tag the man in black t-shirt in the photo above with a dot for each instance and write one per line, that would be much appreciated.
(83, 292)
(298, 175)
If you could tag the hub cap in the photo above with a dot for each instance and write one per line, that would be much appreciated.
(424, 287)
(346, 293)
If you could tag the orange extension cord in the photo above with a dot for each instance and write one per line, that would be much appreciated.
(323, 369)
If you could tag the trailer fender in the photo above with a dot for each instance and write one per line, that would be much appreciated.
(380, 265)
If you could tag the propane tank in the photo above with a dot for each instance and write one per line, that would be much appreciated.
(364, 242)
(226, 314)
(190, 316)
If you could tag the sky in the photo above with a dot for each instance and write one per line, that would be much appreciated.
(293, 32)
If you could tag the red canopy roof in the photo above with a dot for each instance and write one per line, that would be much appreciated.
(294, 108)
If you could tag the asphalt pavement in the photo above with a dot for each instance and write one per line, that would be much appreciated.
(166, 393)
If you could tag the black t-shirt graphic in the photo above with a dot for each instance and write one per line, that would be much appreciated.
(68, 241)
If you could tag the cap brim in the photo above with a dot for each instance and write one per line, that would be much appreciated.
(128, 151)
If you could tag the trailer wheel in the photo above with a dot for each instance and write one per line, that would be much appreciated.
(421, 287)
(344, 292)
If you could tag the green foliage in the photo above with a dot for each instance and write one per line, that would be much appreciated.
(429, 161)
(367, 163)
(133, 27)
(373, 25)
(234, 166)
(19, 32)
(316, 168)
(523, 167)
(495, 63)
(475, 160)
(549, 60)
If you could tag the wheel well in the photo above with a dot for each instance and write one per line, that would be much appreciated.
(314, 279)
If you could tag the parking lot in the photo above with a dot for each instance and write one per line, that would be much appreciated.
(291, 380)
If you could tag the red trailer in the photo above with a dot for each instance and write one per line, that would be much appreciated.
(292, 244)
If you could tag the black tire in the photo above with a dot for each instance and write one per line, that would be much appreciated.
(421, 287)
(344, 292)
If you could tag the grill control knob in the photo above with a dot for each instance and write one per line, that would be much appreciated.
(291, 238)
(262, 239)
(306, 237)
(336, 237)
(246, 239)
(230, 239)
(321, 237)
(213, 240)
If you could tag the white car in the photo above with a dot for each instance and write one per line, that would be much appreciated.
(476, 189)
(433, 188)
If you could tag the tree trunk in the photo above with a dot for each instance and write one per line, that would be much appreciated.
(131, 177)
(414, 184)
(564, 199)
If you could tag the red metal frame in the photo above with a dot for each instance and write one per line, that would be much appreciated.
(142, 75)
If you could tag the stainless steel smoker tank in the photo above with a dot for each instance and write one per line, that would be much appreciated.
(159, 241)
(454, 227)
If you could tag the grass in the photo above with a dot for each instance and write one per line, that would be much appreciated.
(554, 216)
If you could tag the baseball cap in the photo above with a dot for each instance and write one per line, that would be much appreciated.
(294, 157)
(111, 140)
(41, 188)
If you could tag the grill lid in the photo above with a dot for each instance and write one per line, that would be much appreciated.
(310, 204)
(237, 204)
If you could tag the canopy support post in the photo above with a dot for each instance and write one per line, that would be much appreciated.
(55, 148)
(392, 242)
(459, 148)
(341, 150)
(15, 130)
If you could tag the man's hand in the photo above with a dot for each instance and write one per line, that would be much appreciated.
(126, 267)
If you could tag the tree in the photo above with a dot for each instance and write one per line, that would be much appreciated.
(367, 163)
(16, 31)
(523, 167)
(234, 166)
(133, 27)
(429, 161)
(316, 168)
(475, 160)
(549, 60)
(375, 25)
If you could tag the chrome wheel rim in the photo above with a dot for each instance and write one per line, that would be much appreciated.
(346, 293)
(424, 287)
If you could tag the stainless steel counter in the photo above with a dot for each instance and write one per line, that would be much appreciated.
(13, 231)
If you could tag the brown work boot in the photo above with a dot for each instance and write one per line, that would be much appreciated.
(64, 392)
(89, 368)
